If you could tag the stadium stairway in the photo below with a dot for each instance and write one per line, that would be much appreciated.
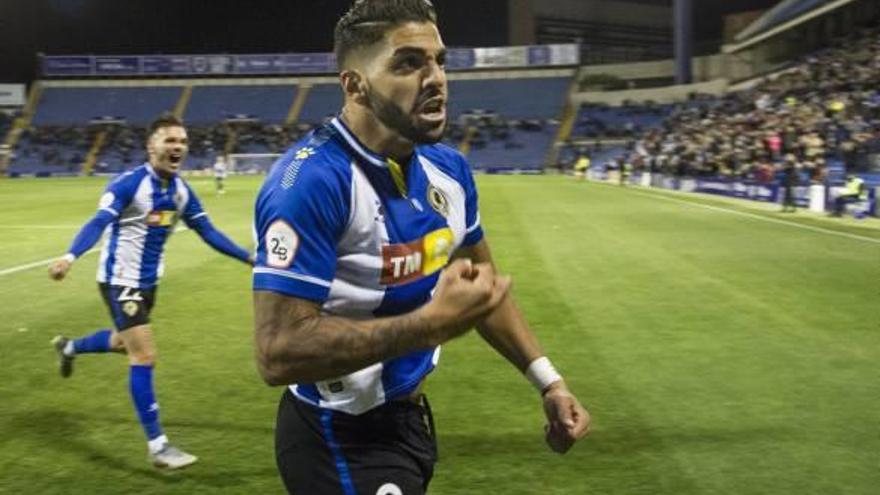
(183, 101)
(465, 146)
(297, 105)
(231, 141)
(566, 124)
(20, 124)
(92, 156)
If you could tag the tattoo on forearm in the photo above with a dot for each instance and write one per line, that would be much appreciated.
(295, 341)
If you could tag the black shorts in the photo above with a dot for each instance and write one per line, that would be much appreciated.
(129, 307)
(389, 450)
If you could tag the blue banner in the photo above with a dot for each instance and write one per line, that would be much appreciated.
(117, 66)
(213, 64)
(291, 63)
(68, 66)
(460, 58)
(308, 63)
(539, 55)
(257, 64)
(166, 64)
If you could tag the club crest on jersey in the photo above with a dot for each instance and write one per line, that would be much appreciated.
(130, 308)
(303, 153)
(408, 262)
(438, 200)
(162, 218)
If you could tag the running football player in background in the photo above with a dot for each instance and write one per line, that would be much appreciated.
(139, 211)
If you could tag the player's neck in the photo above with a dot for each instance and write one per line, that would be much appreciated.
(376, 136)
(164, 176)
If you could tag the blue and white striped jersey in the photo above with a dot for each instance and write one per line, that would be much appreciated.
(147, 209)
(334, 227)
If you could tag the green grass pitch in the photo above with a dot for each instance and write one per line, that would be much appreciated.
(719, 350)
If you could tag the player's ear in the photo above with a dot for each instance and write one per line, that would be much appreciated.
(353, 85)
(151, 147)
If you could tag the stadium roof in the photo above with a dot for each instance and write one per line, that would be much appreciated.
(783, 16)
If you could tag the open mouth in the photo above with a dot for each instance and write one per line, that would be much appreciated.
(433, 109)
(175, 158)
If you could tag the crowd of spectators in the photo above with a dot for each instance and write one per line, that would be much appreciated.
(257, 137)
(65, 147)
(601, 121)
(58, 146)
(826, 107)
(484, 126)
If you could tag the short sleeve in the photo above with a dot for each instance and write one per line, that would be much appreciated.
(474, 231)
(192, 210)
(297, 229)
(118, 194)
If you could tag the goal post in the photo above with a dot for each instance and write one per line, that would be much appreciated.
(251, 163)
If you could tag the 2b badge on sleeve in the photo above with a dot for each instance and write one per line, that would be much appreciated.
(281, 244)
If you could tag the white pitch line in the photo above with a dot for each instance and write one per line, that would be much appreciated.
(59, 227)
(766, 219)
(28, 266)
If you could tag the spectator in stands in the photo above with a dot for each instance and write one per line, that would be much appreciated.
(854, 191)
(818, 109)
(582, 166)
(790, 180)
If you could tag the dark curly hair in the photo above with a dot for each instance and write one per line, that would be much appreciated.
(367, 21)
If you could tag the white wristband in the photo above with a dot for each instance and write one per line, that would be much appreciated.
(542, 373)
(69, 257)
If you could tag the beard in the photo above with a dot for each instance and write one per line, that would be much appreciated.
(406, 124)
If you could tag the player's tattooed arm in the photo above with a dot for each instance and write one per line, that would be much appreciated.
(295, 343)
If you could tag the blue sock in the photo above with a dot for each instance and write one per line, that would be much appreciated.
(96, 342)
(140, 381)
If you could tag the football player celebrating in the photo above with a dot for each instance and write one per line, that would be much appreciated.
(139, 211)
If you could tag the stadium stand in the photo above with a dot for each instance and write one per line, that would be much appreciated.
(51, 150)
(5, 123)
(211, 104)
(628, 120)
(506, 123)
(824, 111)
(321, 104)
(75, 126)
(76, 106)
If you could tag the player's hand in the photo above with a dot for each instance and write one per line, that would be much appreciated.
(567, 420)
(465, 294)
(59, 268)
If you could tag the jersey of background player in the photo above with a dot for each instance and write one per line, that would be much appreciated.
(335, 225)
(146, 210)
(220, 169)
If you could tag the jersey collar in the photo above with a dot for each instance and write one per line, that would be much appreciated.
(394, 168)
(151, 171)
(356, 145)
(155, 175)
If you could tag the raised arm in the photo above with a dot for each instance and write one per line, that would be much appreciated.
(197, 219)
(218, 240)
(87, 237)
(296, 344)
(115, 199)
